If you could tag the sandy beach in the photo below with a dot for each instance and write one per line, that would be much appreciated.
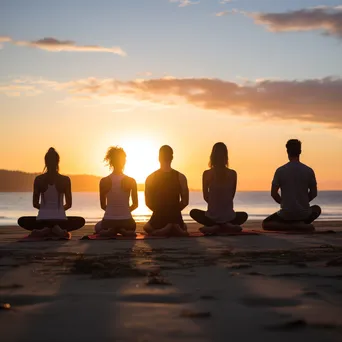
(263, 287)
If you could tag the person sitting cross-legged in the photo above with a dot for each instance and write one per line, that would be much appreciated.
(298, 186)
(219, 187)
(166, 194)
(50, 190)
(115, 192)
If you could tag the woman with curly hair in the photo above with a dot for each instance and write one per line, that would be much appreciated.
(115, 193)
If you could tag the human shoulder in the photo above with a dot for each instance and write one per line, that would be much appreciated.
(40, 178)
(130, 180)
(64, 179)
(105, 181)
(152, 176)
(232, 172)
(306, 167)
(282, 168)
(181, 177)
(206, 173)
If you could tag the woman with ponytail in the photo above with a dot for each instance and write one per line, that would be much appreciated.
(115, 193)
(50, 189)
(219, 187)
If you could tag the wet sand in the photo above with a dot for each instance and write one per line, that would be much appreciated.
(256, 288)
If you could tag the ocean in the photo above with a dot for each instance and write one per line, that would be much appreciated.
(257, 204)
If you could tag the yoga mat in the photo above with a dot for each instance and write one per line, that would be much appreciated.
(120, 237)
(29, 238)
(316, 232)
(144, 237)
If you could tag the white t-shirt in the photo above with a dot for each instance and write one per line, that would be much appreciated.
(294, 180)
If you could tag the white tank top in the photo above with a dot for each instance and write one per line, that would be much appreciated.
(51, 206)
(117, 201)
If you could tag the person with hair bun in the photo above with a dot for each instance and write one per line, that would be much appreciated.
(219, 187)
(115, 193)
(50, 189)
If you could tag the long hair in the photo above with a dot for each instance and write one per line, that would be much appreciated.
(219, 156)
(219, 160)
(51, 161)
(115, 158)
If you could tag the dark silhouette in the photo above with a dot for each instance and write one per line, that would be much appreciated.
(50, 188)
(298, 186)
(166, 194)
(219, 187)
(115, 192)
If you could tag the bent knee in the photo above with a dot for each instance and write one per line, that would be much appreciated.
(98, 227)
(244, 216)
(317, 209)
(148, 228)
(267, 225)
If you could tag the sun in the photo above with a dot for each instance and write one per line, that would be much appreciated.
(142, 158)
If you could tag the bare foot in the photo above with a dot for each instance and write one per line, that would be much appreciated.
(108, 232)
(125, 232)
(58, 231)
(179, 231)
(206, 230)
(229, 228)
(41, 232)
(166, 231)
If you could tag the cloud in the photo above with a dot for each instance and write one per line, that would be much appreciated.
(224, 13)
(55, 45)
(223, 2)
(309, 101)
(5, 39)
(19, 90)
(184, 3)
(323, 18)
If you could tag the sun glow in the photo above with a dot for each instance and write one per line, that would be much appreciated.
(142, 158)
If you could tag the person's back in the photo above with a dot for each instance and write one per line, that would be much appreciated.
(221, 194)
(166, 195)
(294, 180)
(298, 187)
(50, 190)
(117, 200)
(115, 192)
(165, 190)
(219, 188)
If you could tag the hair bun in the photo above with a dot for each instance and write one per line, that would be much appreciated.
(51, 149)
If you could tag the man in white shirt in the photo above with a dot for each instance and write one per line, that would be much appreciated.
(298, 186)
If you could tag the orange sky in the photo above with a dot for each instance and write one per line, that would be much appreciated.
(145, 73)
(81, 131)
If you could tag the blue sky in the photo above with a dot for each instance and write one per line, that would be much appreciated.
(161, 37)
